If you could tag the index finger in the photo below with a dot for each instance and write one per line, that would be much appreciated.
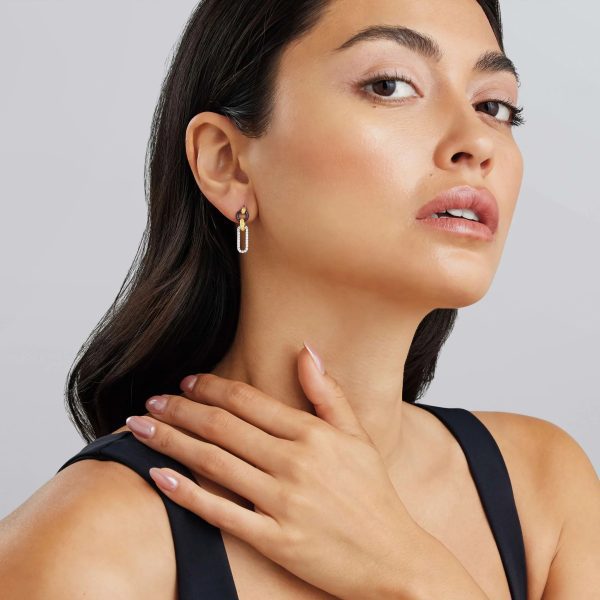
(252, 405)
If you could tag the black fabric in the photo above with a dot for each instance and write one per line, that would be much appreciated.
(492, 481)
(203, 569)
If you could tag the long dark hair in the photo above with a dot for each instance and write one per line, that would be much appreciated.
(177, 310)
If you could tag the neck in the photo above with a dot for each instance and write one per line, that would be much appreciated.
(362, 337)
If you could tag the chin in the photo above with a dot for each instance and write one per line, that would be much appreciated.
(458, 289)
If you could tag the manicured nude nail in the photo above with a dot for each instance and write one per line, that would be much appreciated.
(316, 358)
(162, 479)
(187, 383)
(141, 426)
(156, 404)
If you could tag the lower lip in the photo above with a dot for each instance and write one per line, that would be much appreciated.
(473, 229)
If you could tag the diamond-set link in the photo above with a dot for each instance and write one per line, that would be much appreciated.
(246, 229)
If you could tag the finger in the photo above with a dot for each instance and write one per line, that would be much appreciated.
(252, 405)
(218, 465)
(327, 396)
(221, 427)
(258, 530)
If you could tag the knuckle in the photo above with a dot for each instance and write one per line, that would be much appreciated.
(213, 461)
(202, 382)
(271, 541)
(301, 464)
(314, 432)
(237, 399)
(226, 520)
(239, 393)
(294, 539)
(173, 409)
(215, 420)
(164, 440)
(288, 500)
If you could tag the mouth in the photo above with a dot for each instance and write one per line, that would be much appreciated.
(463, 209)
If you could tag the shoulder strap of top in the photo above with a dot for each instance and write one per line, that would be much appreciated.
(203, 569)
(493, 484)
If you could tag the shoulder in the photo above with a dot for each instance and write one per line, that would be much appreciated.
(96, 526)
(554, 480)
(545, 446)
(544, 451)
(525, 433)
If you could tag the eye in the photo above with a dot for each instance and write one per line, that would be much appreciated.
(383, 86)
(514, 112)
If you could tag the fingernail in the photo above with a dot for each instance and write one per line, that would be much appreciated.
(187, 383)
(141, 426)
(156, 404)
(316, 358)
(162, 479)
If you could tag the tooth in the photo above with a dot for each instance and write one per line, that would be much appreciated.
(469, 214)
(434, 216)
(463, 212)
(457, 212)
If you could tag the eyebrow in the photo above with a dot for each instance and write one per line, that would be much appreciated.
(491, 61)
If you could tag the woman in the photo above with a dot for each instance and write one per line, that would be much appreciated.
(326, 127)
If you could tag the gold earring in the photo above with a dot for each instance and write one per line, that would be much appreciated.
(241, 216)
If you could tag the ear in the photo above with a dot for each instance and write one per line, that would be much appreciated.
(214, 148)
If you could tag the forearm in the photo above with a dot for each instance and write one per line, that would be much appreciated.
(426, 570)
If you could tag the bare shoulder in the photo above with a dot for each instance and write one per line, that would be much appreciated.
(96, 529)
(542, 446)
(543, 452)
(557, 492)
(525, 434)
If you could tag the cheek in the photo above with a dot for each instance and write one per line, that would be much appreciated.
(341, 188)
(338, 193)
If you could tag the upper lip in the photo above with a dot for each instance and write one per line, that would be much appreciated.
(480, 200)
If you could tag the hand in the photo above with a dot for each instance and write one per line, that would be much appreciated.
(325, 507)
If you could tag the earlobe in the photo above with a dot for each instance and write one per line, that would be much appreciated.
(212, 145)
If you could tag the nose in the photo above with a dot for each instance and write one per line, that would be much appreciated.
(467, 142)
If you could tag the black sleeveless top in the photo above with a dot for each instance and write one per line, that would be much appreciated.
(203, 569)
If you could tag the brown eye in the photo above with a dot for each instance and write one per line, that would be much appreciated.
(389, 85)
(497, 106)
(385, 87)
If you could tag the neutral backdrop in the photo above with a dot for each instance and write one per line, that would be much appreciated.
(78, 84)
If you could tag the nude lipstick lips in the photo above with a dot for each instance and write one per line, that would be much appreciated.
(478, 200)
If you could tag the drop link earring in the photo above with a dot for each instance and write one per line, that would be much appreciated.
(242, 216)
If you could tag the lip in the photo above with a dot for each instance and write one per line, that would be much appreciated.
(479, 200)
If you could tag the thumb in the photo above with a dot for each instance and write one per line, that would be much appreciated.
(326, 395)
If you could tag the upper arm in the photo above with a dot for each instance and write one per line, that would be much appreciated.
(575, 568)
(77, 537)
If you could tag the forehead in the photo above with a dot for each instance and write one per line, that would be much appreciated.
(460, 27)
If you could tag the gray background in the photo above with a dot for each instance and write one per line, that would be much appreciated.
(79, 83)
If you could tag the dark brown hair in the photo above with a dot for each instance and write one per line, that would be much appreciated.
(177, 310)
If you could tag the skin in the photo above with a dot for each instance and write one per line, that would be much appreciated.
(337, 258)
(336, 255)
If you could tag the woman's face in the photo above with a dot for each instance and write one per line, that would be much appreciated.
(345, 166)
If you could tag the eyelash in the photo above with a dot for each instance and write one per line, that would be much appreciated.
(516, 111)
